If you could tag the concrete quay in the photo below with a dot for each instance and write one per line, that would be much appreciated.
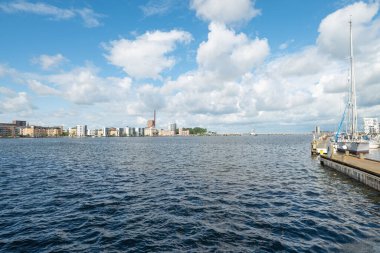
(364, 170)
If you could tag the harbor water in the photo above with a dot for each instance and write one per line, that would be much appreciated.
(181, 194)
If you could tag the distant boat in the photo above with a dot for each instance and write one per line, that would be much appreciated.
(350, 140)
(253, 133)
(374, 141)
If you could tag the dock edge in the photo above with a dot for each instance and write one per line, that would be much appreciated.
(354, 172)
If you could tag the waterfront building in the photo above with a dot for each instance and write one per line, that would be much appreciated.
(164, 132)
(140, 131)
(149, 131)
(73, 131)
(12, 129)
(40, 131)
(54, 131)
(183, 132)
(92, 132)
(105, 132)
(371, 126)
(173, 127)
(19, 123)
(7, 130)
(35, 131)
(113, 132)
(120, 132)
(129, 131)
(81, 130)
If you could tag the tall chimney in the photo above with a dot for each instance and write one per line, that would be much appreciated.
(154, 119)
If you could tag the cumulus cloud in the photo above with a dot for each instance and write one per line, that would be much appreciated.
(230, 54)
(49, 61)
(235, 85)
(42, 89)
(148, 55)
(84, 86)
(305, 88)
(333, 36)
(225, 11)
(89, 17)
(11, 101)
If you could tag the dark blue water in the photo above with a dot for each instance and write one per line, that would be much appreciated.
(197, 194)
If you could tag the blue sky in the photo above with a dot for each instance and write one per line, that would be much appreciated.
(227, 65)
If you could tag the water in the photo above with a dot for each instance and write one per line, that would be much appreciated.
(240, 194)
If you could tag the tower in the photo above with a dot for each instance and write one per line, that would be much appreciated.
(154, 119)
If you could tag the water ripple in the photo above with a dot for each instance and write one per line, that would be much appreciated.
(225, 194)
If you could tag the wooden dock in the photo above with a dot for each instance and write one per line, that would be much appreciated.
(362, 169)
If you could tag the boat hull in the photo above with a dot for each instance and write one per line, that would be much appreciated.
(354, 147)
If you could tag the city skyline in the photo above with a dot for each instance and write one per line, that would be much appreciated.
(229, 66)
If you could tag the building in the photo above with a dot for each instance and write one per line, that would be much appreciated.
(81, 130)
(19, 123)
(7, 130)
(72, 131)
(152, 122)
(149, 131)
(139, 131)
(173, 127)
(164, 132)
(54, 131)
(183, 132)
(105, 132)
(35, 131)
(92, 132)
(371, 126)
(113, 132)
(129, 131)
(12, 129)
(120, 132)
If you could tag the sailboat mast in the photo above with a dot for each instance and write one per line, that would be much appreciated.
(354, 114)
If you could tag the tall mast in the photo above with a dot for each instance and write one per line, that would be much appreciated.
(352, 95)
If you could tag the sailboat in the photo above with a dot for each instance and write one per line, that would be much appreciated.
(350, 140)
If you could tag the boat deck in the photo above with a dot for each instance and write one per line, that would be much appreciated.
(367, 165)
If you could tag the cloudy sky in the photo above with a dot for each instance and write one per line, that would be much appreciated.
(227, 65)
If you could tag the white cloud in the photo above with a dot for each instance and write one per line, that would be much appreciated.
(235, 86)
(148, 55)
(225, 11)
(305, 88)
(90, 18)
(158, 7)
(333, 30)
(11, 101)
(42, 89)
(84, 86)
(49, 61)
(230, 54)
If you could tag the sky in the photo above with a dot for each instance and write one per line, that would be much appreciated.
(226, 65)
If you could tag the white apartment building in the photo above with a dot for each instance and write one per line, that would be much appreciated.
(129, 131)
(371, 125)
(81, 130)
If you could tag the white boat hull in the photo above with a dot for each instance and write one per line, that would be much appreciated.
(374, 144)
(354, 147)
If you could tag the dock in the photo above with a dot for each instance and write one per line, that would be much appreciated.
(362, 169)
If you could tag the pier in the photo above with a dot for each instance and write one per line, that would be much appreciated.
(362, 169)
